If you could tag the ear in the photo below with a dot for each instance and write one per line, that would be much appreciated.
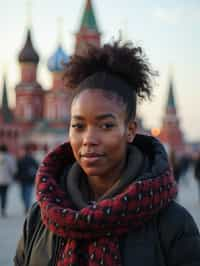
(131, 130)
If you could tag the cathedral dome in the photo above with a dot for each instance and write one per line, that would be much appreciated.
(28, 53)
(57, 60)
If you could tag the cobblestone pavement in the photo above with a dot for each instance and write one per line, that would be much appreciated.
(10, 227)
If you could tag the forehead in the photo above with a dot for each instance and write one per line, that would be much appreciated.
(97, 101)
(90, 104)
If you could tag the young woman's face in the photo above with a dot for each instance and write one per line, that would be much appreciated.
(99, 134)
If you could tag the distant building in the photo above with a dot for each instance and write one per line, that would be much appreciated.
(41, 117)
(88, 32)
(171, 134)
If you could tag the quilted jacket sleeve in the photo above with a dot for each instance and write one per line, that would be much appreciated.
(20, 255)
(27, 233)
(179, 237)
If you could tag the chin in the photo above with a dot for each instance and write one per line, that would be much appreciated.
(92, 172)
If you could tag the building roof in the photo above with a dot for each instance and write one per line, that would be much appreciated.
(171, 100)
(89, 20)
(5, 110)
(57, 60)
(28, 53)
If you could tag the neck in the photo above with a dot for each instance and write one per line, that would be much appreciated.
(99, 187)
(103, 185)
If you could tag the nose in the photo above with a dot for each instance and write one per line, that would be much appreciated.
(90, 137)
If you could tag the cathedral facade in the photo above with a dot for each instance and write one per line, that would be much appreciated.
(41, 117)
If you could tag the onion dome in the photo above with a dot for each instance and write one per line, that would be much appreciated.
(28, 53)
(57, 60)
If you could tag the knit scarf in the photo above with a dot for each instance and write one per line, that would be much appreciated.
(90, 236)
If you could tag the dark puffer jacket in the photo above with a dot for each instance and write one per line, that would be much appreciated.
(171, 238)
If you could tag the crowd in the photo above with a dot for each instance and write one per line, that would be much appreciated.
(21, 169)
(181, 164)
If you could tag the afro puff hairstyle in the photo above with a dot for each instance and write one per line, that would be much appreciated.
(122, 60)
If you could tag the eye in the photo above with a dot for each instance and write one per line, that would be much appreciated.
(77, 125)
(107, 125)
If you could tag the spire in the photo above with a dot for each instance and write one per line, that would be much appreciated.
(57, 61)
(28, 53)
(6, 113)
(4, 96)
(88, 20)
(59, 30)
(171, 99)
(29, 12)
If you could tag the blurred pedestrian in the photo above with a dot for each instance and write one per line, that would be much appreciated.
(197, 172)
(27, 168)
(7, 171)
(175, 164)
(185, 164)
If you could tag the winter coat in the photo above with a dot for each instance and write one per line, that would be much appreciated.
(7, 168)
(197, 169)
(171, 238)
(27, 168)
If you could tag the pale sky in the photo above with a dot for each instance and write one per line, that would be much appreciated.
(169, 32)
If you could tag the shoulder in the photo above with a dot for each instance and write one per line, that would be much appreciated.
(179, 235)
(176, 217)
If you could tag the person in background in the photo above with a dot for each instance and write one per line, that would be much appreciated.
(176, 165)
(27, 168)
(197, 172)
(7, 172)
(106, 197)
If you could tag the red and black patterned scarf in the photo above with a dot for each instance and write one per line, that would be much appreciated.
(91, 235)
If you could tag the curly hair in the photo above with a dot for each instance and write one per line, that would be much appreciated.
(124, 61)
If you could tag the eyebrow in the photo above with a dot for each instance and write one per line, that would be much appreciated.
(98, 117)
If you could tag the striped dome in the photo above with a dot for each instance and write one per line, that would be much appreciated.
(57, 60)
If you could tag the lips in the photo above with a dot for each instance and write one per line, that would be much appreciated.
(91, 154)
(91, 157)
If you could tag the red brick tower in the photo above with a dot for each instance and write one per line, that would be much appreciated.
(171, 133)
(29, 93)
(88, 31)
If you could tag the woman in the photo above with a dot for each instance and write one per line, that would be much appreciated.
(106, 197)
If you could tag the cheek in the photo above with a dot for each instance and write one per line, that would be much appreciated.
(116, 141)
(75, 143)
